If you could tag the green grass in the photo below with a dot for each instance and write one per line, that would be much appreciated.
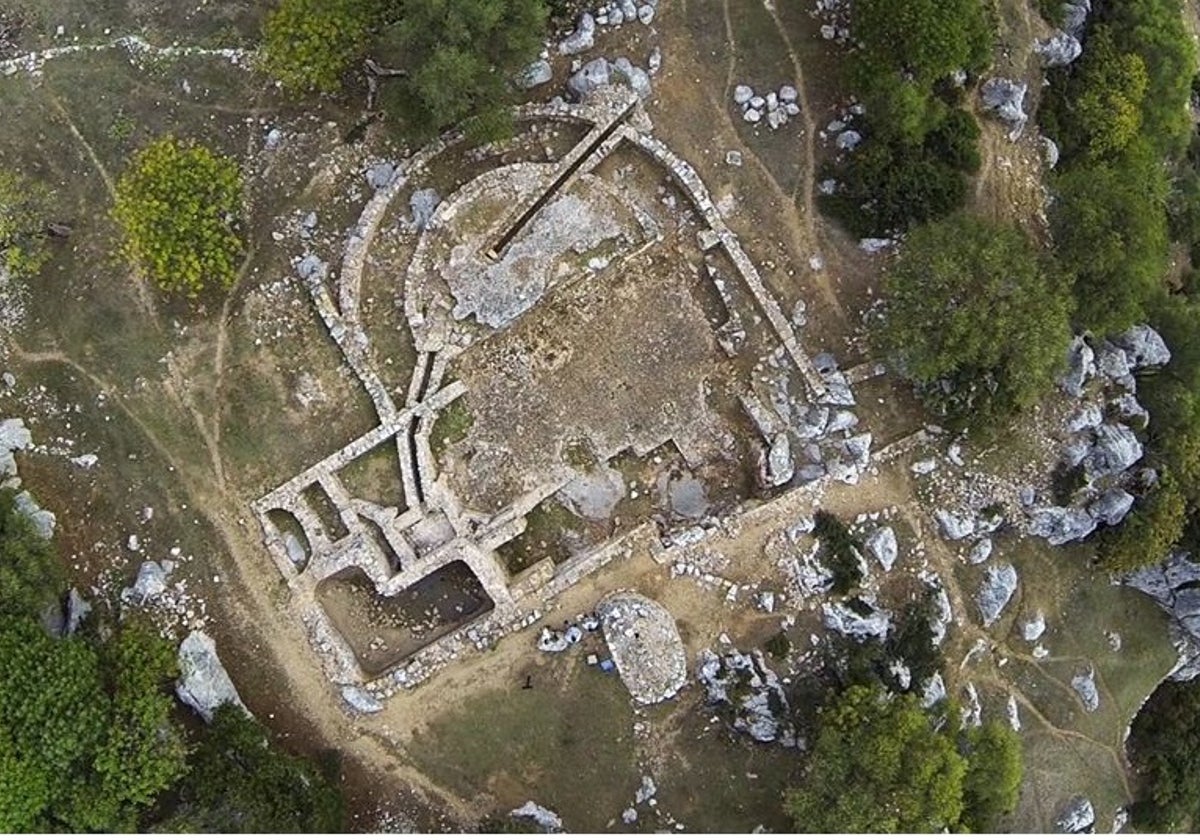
(566, 743)
(545, 527)
(450, 427)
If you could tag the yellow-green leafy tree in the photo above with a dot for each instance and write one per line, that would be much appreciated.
(178, 206)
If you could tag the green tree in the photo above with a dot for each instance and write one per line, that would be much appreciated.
(30, 575)
(1164, 749)
(926, 40)
(24, 210)
(85, 736)
(239, 781)
(178, 204)
(994, 771)
(308, 45)
(878, 765)
(459, 56)
(973, 304)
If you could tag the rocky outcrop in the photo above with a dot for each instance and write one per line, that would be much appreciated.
(999, 585)
(535, 74)
(1078, 816)
(744, 682)
(544, 818)
(882, 544)
(858, 618)
(1059, 50)
(582, 38)
(1175, 586)
(203, 682)
(1006, 99)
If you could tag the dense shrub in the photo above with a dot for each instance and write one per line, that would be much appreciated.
(309, 44)
(24, 206)
(925, 40)
(178, 205)
(994, 770)
(30, 575)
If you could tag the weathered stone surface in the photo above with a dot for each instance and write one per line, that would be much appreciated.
(1111, 507)
(882, 544)
(844, 619)
(1077, 817)
(744, 681)
(1050, 152)
(635, 77)
(379, 175)
(543, 817)
(1084, 684)
(43, 521)
(980, 552)
(1033, 627)
(955, 526)
(1074, 16)
(742, 94)
(151, 582)
(13, 437)
(361, 700)
(999, 585)
(1060, 49)
(780, 464)
(78, 609)
(848, 140)
(203, 682)
(423, 204)
(1006, 98)
(1116, 449)
(582, 38)
(1143, 346)
(1059, 525)
(645, 646)
(594, 495)
(591, 76)
(537, 73)
(1080, 366)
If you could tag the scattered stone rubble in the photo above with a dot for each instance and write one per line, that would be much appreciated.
(645, 646)
(776, 107)
(745, 682)
(203, 682)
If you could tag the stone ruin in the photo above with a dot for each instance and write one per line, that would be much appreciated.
(502, 296)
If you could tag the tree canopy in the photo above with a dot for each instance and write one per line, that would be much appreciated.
(972, 304)
(459, 56)
(1164, 748)
(878, 765)
(24, 206)
(308, 45)
(178, 205)
(925, 40)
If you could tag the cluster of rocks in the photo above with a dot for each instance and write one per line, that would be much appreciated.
(776, 107)
(844, 135)
(1101, 449)
(835, 15)
(15, 437)
(1174, 585)
(645, 646)
(600, 72)
(203, 682)
(744, 682)
(557, 641)
(615, 13)
(1078, 816)
(859, 618)
(170, 604)
(805, 443)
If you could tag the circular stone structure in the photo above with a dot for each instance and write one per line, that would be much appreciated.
(645, 645)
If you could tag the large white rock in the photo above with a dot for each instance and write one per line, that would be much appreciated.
(882, 544)
(203, 681)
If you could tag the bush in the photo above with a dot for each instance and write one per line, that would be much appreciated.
(841, 552)
(309, 44)
(1148, 534)
(24, 206)
(975, 319)
(31, 578)
(241, 782)
(178, 205)
(925, 40)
